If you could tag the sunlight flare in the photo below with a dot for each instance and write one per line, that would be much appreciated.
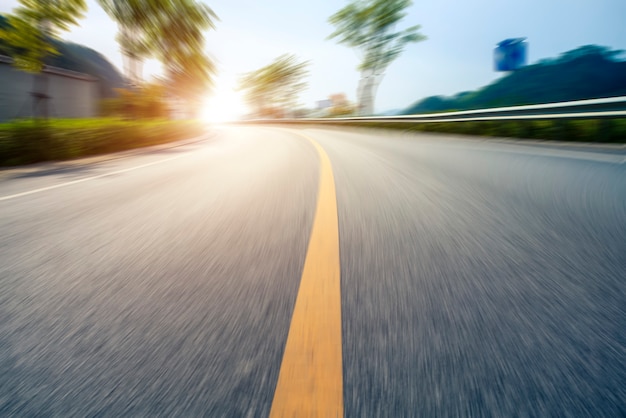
(224, 105)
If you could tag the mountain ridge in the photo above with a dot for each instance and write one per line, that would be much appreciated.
(588, 72)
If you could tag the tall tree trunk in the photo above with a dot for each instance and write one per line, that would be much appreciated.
(367, 92)
(133, 63)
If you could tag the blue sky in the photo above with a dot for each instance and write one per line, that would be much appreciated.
(456, 57)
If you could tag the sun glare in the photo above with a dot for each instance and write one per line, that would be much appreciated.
(224, 105)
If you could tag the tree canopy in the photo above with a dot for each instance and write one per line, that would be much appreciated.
(32, 27)
(132, 16)
(369, 26)
(172, 31)
(273, 89)
(176, 38)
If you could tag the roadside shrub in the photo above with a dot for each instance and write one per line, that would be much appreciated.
(143, 103)
(30, 141)
(588, 130)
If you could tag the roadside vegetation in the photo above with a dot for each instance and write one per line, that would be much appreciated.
(32, 141)
(590, 130)
(272, 90)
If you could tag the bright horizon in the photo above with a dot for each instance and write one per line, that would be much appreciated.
(456, 57)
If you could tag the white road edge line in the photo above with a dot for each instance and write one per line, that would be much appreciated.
(69, 183)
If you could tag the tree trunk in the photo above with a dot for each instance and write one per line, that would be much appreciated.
(133, 63)
(367, 92)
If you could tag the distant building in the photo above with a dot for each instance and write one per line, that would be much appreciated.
(323, 104)
(337, 104)
(59, 93)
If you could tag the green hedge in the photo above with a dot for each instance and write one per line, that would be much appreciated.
(31, 141)
(590, 130)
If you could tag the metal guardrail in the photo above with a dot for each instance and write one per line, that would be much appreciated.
(607, 108)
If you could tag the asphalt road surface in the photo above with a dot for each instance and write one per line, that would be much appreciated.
(478, 277)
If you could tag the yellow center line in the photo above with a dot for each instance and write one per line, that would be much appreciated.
(310, 382)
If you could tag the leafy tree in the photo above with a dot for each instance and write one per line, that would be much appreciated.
(132, 17)
(172, 31)
(273, 90)
(33, 25)
(168, 30)
(190, 80)
(369, 26)
(176, 38)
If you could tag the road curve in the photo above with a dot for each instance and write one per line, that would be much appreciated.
(478, 277)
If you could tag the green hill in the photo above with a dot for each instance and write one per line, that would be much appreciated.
(587, 72)
(79, 58)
